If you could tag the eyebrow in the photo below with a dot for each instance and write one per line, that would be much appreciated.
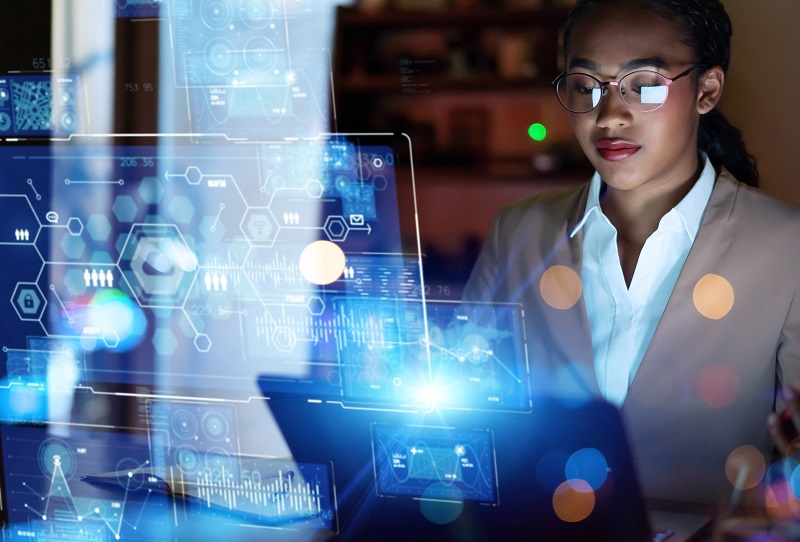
(652, 61)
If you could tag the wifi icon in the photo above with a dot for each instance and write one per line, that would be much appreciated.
(260, 227)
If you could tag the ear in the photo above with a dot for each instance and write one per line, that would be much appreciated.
(709, 89)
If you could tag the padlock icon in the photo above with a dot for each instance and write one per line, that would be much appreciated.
(28, 301)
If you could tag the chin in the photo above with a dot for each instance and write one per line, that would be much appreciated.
(618, 178)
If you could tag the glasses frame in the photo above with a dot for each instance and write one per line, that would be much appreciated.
(605, 84)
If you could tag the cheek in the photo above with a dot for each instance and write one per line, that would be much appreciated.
(581, 125)
(675, 126)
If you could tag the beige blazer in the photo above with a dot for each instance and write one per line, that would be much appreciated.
(707, 382)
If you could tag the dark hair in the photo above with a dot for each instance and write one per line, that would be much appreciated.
(707, 31)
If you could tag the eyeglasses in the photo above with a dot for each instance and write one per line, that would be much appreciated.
(642, 90)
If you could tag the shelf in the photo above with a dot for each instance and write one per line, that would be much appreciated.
(511, 170)
(477, 17)
(427, 84)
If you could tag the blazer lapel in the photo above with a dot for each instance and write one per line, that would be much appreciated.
(709, 245)
(577, 343)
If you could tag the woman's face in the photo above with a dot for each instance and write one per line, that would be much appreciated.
(635, 150)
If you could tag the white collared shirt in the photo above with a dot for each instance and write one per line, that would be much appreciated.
(622, 319)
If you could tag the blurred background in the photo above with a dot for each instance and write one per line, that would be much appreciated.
(467, 80)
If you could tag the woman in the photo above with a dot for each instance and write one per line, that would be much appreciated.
(666, 284)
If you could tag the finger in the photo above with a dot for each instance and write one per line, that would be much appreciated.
(774, 429)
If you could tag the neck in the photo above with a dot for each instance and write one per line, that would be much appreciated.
(636, 213)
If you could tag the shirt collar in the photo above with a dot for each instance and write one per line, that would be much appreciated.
(592, 203)
(690, 209)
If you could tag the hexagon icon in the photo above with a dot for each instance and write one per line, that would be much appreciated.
(158, 265)
(151, 190)
(380, 183)
(164, 341)
(377, 162)
(99, 227)
(111, 338)
(315, 305)
(336, 227)
(181, 209)
(124, 208)
(314, 189)
(74, 281)
(284, 339)
(193, 175)
(202, 342)
(259, 226)
(28, 301)
(73, 246)
(75, 226)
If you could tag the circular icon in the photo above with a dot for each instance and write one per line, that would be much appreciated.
(55, 454)
(216, 14)
(219, 461)
(188, 459)
(184, 424)
(128, 474)
(260, 54)
(220, 56)
(256, 13)
(215, 426)
(5, 122)
(68, 121)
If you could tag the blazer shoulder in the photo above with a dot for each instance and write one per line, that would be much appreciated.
(548, 207)
(768, 211)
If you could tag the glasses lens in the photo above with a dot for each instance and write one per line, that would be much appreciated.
(578, 92)
(644, 90)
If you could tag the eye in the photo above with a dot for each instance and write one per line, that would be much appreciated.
(640, 82)
(582, 85)
(583, 90)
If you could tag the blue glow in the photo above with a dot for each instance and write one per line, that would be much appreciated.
(588, 464)
(20, 403)
(794, 480)
(120, 317)
(438, 511)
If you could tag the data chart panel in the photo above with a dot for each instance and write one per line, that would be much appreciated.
(47, 499)
(39, 105)
(183, 255)
(435, 463)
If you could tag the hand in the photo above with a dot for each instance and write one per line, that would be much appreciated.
(784, 427)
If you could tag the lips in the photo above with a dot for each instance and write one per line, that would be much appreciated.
(615, 150)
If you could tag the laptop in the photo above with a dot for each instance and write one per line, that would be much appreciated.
(561, 471)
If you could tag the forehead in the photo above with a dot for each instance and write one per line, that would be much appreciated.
(610, 36)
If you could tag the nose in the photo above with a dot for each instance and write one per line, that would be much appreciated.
(612, 111)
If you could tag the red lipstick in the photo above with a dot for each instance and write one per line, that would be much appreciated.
(615, 150)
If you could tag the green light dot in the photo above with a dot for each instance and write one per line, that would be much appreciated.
(537, 132)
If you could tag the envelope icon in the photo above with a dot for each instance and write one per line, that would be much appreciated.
(356, 220)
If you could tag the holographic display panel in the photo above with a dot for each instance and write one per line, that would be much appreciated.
(39, 105)
(46, 498)
(181, 256)
(253, 67)
(434, 463)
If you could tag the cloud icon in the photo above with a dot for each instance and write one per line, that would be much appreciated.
(158, 264)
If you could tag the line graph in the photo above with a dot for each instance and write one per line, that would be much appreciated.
(45, 490)
(409, 460)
